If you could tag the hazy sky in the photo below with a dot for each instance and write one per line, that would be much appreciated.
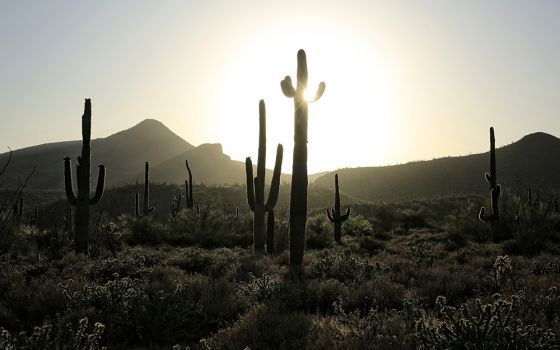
(406, 80)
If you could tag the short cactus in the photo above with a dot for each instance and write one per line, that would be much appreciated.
(298, 195)
(147, 210)
(334, 214)
(189, 188)
(82, 200)
(255, 187)
(495, 189)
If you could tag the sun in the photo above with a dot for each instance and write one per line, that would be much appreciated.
(354, 113)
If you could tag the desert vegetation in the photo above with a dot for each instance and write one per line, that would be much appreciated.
(413, 274)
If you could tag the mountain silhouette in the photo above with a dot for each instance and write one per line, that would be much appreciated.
(123, 153)
(532, 162)
(209, 165)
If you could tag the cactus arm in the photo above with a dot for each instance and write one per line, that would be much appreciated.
(275, 184)
(189, 194)
(70, 196)
(488, 177)
(250, 184)
(287, 87)
(319, 93)
(498, 190)
(100, 186)
(482, 216)
(330, 216)
(346, 215)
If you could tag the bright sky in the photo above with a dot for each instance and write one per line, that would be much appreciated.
(406, 80)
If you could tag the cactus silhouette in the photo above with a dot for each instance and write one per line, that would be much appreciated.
(495, 189)
(147, 210)
(189, 188)
(298, 195)
(334, 214)
(82, 200)
(255, 187)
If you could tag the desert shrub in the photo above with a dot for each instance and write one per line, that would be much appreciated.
(385, 218)
(357, 225)
(53, 337)
(27, 301)
(143, 231)
(217, 262)
(188, 311)
(259, 289)
(530, 224)
(340, 264)
(264, 327)
(319, 234)
(542, 307)
(479, 326)
(414, 218)
(545, 265)
(464, 223)
(132, 266)
(373, 329)
(115, 303)
(371, 245)
(210, 228)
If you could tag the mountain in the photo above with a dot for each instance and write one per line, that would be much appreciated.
(123, 153)
(209, 165)
(533, 161)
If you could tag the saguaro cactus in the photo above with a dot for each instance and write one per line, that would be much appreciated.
(298, 195)
(147, 210)
(495, 189)
(82, 200)
(189, 188)
(334, 214)
(255, 187)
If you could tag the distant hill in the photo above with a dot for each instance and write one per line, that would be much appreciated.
(124, 155)
(533, 161)
(209, 165)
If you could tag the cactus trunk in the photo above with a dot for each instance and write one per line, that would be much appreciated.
(495, 189)
(189, 188)
(146, 209)
(270, 248)
(298, 193)
(82, 200)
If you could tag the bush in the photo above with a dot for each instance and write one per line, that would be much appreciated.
(49, 337)
(357, 225)
(479, 326)
(319, 233)
(264, 327)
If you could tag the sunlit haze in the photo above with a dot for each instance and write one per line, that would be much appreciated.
(404, 80)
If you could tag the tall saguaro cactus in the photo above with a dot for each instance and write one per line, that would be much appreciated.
(147, 210)
(82, 200)
(495, 189)
(189, 188)
(334, 214)
(255, 187)
(298, 195)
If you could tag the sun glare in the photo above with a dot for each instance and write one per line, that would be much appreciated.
(309, 94)
(356, 108)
